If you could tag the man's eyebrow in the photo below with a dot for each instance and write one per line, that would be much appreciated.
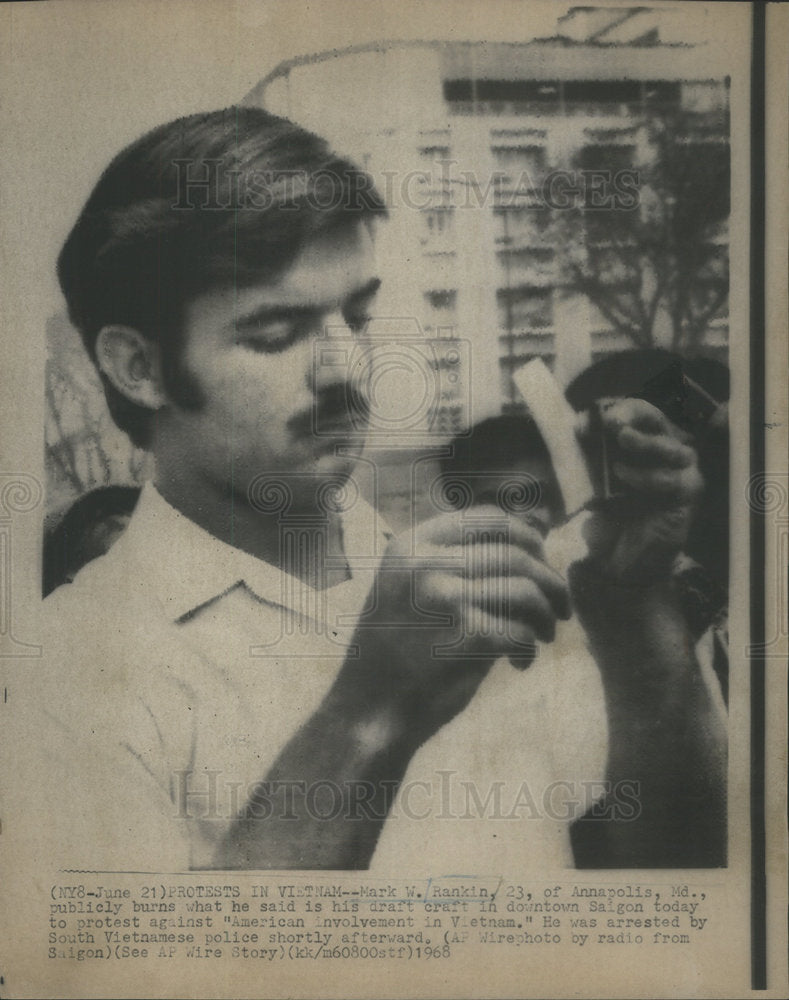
(365, 292)
(273, 314)
(286, 312)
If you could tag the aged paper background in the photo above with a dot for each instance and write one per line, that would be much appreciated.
(79, 80)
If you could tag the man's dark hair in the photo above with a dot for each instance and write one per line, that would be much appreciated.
(496, 444)
(227, 197)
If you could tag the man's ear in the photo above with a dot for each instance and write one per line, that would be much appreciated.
(131, 362)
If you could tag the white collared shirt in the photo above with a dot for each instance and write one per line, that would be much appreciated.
(177, 667)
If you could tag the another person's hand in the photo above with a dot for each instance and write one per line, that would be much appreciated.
(635, 536)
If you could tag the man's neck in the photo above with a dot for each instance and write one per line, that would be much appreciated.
(298, 548)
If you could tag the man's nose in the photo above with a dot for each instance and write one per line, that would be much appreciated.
(332, 352)
(335, 327)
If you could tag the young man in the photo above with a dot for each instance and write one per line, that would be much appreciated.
(246, 677)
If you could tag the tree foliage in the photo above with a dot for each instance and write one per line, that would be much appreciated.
(663, 262)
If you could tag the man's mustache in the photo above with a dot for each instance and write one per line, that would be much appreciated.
(333, 405)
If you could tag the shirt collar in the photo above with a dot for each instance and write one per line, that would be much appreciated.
(187, 567)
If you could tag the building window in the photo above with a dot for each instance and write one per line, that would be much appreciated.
(514, 160)
(438, 228)
(605, 341)
(434, 154)
(435, 164)
(442, 300)
(519, 227)
(524, 308)
(520, 173)
(440, 309)
(661, 95)
(531, 342)
(602, 97)
(704, 97)
(513, 97)
(525, 264)
(612, 157)
(525, 321)
(601, 163)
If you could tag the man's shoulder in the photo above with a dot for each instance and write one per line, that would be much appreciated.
(111, 586)
(102, 587)
(108, 643)
(108, 610)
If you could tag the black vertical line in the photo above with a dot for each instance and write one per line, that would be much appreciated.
(513, 394)
(757, 524)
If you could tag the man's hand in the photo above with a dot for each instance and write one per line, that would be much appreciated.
(635, 536)
(450, 597)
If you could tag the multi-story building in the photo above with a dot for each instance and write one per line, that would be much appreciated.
(465, 140)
